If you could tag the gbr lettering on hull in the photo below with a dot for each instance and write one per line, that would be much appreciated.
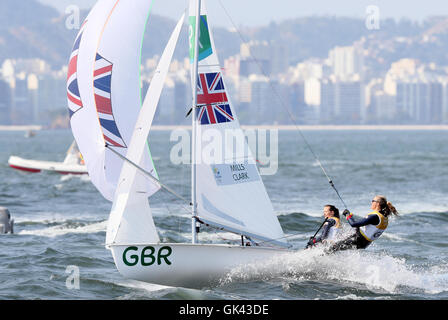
(147, 257)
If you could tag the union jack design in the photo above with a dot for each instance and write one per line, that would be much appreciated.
(102, 79)
(73, 96)
(212, 100)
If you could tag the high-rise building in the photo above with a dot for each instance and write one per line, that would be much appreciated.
(341, 102)
(445, 102)
(419, 101)
(373, 94)
(21, 112)
(263, 58)
(406, 99)
(347, 61)
(261, 100)
(436, 103)
(383, 108)
(418, 90)
(327, 101)
(52, 96)
(303, 113)
(349, 102)
(279, 58)
(5, 102)
(232, 66)
(33, 96)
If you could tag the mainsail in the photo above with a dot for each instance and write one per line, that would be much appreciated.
(103, 88)
(229, 190)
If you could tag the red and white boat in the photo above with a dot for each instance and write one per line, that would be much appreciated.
(72, 164)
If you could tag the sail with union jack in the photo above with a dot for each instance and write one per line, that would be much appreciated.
(213, 104)
(102, 80)
(73, 95)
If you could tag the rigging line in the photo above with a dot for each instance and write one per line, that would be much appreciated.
(285, 107)
(147, 174)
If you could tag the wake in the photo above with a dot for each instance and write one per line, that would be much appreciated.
(376, 271)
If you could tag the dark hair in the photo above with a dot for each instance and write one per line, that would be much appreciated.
(334, 209)
(386, 207)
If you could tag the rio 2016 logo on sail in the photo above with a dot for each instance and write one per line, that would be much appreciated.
(147, 256)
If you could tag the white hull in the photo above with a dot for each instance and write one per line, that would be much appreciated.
(38, 166)
(185, 265)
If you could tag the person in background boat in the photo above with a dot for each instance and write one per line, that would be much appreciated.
(368, 229)
(331, 227)
(81, 159)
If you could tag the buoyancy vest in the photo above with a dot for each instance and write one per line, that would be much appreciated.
(372, 232)
(333, 232)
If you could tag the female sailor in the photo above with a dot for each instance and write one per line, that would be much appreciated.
(331, 226)
(368, 229)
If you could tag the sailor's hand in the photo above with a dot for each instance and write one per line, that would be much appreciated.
(311, 242)
(347, 214)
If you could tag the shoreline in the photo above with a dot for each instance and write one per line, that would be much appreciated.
(270, 127)
(321, 127)
(21, 128)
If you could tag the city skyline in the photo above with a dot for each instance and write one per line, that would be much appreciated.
(334, 90)
(376, 77)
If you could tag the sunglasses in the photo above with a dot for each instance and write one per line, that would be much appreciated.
(375, 201)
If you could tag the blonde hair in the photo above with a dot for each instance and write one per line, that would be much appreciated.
(386, 206)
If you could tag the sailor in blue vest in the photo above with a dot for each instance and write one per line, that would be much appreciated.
(368, 229)
(331, 227)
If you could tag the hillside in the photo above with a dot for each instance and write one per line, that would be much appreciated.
(30, 29)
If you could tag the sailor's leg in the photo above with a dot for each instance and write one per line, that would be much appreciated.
(346, 244)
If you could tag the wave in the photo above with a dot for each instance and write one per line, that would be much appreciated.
(81, 177)
(406, 209)
(378, 272)
(143, 290)
(67, 227)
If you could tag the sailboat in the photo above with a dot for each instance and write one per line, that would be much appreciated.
(72, 164)
(111, 123)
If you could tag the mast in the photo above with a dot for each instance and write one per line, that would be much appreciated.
(194, 238)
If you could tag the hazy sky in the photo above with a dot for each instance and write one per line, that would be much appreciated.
(261, 12)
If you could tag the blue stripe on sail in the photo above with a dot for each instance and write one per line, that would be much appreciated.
(219, 85)
(73, 87)
(110, 126)
(220, 117)
(210, 77)
(227, 108)
(77, 42)
(103, 83)
(70, 113)
(98, 57)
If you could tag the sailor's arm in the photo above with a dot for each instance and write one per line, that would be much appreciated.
(371, 219)
(325, 230)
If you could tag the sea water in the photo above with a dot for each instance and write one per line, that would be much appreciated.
(57, 251)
